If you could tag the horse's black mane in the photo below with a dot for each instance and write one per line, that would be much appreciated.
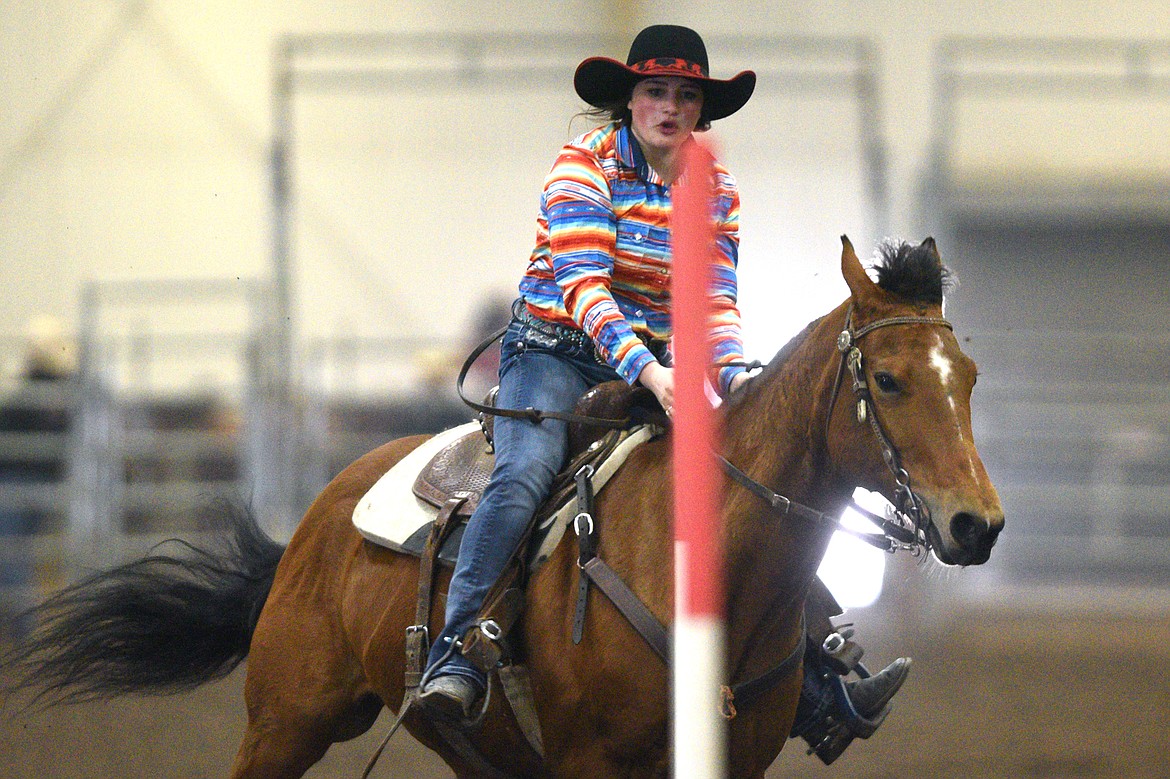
(914, 273)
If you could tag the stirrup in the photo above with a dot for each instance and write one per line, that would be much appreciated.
(840, 652)
(829, 734)
(464, 720)
(830, 719)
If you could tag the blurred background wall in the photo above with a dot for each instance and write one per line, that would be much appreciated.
(258, 234)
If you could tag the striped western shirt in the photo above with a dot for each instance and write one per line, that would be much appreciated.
(602, 257)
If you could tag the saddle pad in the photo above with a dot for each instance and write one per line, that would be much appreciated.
(389, 514)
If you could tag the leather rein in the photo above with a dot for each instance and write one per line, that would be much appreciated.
(535, 414)
(906, 527)
(530, 413)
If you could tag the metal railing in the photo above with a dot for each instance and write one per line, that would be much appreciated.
(1074, 425)
(1079, 451)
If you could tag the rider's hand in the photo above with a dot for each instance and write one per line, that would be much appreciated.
(659, 380)
(737, 381)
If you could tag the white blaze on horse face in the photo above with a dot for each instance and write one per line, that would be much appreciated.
(943, 367)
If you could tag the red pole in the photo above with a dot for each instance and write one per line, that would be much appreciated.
(699, 731)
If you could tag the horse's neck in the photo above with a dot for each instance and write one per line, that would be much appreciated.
(776, 433)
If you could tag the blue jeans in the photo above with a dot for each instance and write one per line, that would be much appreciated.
(538, 370)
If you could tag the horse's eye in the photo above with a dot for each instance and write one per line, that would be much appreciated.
(886, 383)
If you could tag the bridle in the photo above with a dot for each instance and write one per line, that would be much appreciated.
(904, 528)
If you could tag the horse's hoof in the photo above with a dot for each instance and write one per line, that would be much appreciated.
(450, 697)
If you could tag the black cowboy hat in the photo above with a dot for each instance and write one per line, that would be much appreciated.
(662, 50)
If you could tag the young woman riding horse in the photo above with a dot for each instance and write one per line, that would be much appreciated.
(876, 394)
(594, 306)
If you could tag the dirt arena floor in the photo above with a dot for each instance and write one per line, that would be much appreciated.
(1010, 692)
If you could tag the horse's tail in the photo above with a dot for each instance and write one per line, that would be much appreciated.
(163, 624)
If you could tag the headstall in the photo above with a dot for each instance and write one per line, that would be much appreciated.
(909, 510)
(905, 523)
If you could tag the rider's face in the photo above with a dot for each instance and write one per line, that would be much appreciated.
(665, 111)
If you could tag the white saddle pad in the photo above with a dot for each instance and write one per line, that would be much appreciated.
(390, 513)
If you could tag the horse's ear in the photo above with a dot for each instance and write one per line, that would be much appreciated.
(930, 245)
(858, 280)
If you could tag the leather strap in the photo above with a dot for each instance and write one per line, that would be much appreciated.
(593, 569)
(630, 605)
(582, 604)
(654, 633)
(482, 643)
(746, 693)
(537, 415)
(517, 686)
(459, 741)
(586, 545)
(783, 506)
(418, 634)
(531, 414)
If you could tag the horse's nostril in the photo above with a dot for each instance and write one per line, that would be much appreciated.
(970, 529)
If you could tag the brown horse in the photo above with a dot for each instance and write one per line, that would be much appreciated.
(325, 652)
